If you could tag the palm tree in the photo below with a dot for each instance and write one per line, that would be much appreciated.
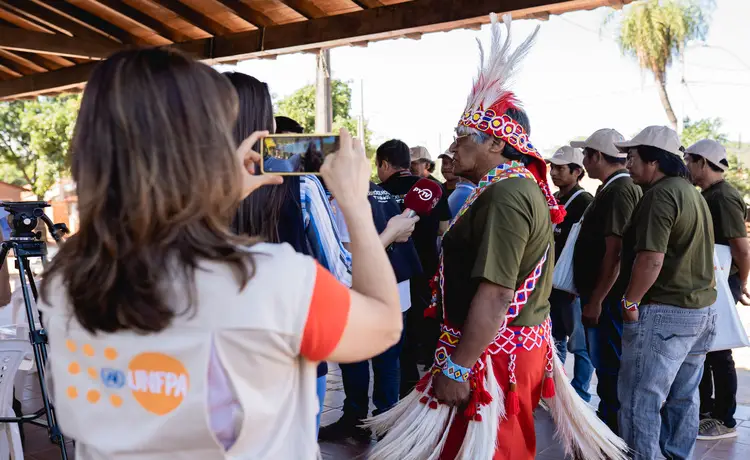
(656, 32)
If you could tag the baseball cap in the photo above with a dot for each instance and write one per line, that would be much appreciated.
(655, 136)
(711, 151)
(419, 153)
(566, 155)
(603, 140)
(447, 154)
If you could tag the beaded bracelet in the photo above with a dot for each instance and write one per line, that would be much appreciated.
(456, 372)
(628, 305)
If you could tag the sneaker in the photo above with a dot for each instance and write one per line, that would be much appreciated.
(712, 429)
(342, 429)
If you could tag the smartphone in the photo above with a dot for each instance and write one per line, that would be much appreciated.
(296, 154)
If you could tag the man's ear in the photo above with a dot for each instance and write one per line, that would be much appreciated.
(497, 146)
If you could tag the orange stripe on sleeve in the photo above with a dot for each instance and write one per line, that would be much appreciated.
(327, 317)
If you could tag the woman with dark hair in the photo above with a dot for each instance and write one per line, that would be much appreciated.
(169, 334)
(668, 318)
(297, 212)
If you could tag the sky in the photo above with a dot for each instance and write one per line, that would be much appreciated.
(574, 81)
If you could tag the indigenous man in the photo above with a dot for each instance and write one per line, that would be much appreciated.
(494, 280)
(707, 162)
(668, 319)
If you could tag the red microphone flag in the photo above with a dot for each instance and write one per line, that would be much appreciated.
(423, 197)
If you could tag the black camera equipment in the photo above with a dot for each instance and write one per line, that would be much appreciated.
(25, 242)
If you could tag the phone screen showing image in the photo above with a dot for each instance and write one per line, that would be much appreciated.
(296, 153)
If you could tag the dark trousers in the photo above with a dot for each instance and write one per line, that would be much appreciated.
(356, 377)
(413, 318)
(718, 388)
(605, 350)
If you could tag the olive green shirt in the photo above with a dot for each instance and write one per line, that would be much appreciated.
(728, 213)
(673, 219)
(500, 239)
(608, 215)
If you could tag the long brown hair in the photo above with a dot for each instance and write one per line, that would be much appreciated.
(260, 213)
(158, 181)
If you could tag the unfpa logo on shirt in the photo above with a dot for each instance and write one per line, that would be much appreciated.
(157, 382)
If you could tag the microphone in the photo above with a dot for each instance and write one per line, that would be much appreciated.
(423, 197)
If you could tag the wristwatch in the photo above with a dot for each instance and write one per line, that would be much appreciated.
(628, 305)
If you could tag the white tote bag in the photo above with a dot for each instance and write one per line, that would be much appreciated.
(730, 332)
(562, 278)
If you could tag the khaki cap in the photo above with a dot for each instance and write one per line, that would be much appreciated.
(419, 153)
(711, 151)
(655, 136)
(603, 140)
(447, 154)
(566, 155)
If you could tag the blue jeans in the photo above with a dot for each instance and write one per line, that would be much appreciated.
(569, 334)
(320, 388)
(662, 365)
(605, 347)
(356, 377)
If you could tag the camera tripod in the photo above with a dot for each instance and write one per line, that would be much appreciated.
(27, 244)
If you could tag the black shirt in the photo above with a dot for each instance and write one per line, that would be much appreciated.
(574, 212)
(426, 231)
(607, 215)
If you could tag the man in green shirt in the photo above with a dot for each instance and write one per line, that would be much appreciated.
(566, 171)
(707, 162)
(668, 318)
(596, 261)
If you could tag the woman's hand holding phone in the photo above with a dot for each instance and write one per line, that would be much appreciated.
(347, 174)
(250, 162)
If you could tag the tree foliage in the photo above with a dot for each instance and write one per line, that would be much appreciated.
(300, 106)
(655, 33)
(710, 128)
(34, 139)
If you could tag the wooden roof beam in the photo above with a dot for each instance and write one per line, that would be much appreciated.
(51, 19)
(9, 70)
(365, 4)
(193, 17)
(75, 13)
(22, 61)
(372, 24)
(59, 44)
(142, 19)
(247, 13)
(305, 8)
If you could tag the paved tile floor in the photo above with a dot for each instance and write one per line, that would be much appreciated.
(38, 447)
(547, 447)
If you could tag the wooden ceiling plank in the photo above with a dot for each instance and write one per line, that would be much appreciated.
(50, 61)
(143, 19)
(38, 42)
(305, 7)
(9, 69)
(196, 18)
(23, 61)
(21, 21)
(72, 11)
(248, 13)
(57, 79)
(365, 4)
(35, 11)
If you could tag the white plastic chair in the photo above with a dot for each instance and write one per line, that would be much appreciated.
(12, 352)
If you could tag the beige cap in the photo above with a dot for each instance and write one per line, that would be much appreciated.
(602, 140)
(420, 153)
(655, 136)
(711, 151)
(566, 155)
(447, 154)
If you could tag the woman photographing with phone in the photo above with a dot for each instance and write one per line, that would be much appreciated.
(155, 307)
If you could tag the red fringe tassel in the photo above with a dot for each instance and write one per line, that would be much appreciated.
(513, 405)
(548, 388)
